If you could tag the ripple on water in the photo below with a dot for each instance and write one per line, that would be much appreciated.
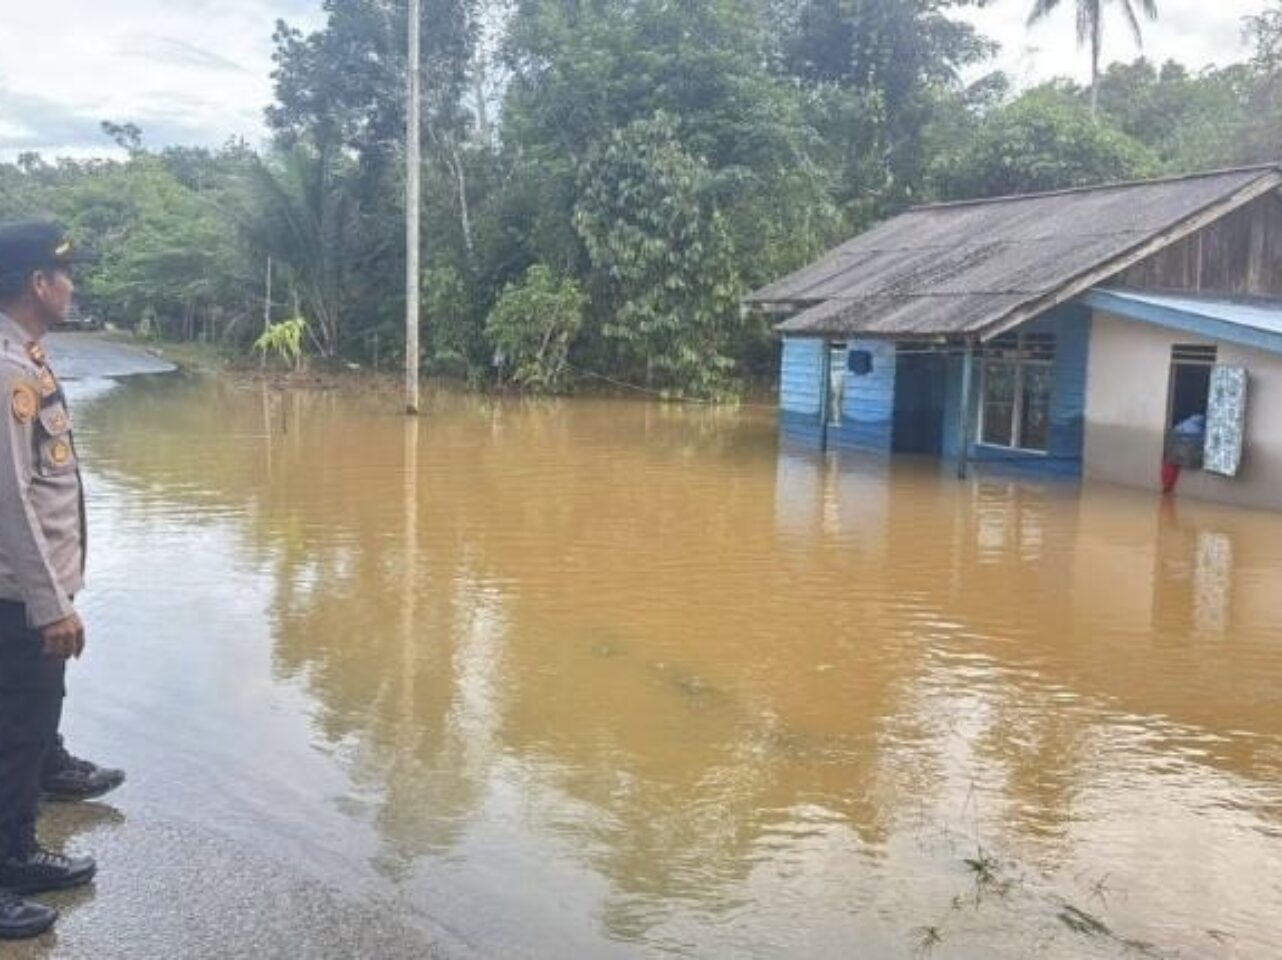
(599, 678)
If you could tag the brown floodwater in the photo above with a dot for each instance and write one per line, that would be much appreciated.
(602, 678)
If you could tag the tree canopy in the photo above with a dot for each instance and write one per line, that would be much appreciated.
(605, 179)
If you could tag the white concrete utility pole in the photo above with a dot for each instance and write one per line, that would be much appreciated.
(267, 312)
(412, 211)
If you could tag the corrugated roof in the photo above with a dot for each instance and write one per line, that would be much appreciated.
(975, 268)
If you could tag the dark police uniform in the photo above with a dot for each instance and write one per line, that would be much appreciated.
(42, 554)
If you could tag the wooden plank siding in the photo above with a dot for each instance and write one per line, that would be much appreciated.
(868, 403)
(801, 389)
(1239, 255)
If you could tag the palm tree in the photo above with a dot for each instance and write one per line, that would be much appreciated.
(1090, 28)
(300, 210)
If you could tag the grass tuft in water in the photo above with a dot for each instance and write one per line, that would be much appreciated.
(926, 939)
(1079, 921)
(986, 870)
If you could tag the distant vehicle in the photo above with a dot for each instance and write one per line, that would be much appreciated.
(78, 319)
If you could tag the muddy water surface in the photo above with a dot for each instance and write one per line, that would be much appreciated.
(606, 679)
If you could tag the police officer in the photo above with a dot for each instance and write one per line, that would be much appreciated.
(42, 544)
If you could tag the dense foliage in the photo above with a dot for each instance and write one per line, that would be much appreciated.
(604, 179)
(532, 327)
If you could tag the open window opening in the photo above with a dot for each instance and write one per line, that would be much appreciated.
(836, 383)
(1188, 402)
(1015, 392)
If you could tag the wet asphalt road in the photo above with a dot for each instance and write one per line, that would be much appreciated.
(167, 888)
(84, 356)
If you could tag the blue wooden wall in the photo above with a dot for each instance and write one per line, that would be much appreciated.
(869, 401)
(867, 421)
(801, 388)
(1071, 325)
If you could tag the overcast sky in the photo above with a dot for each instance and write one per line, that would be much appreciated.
(1195, 32)
(197, 71)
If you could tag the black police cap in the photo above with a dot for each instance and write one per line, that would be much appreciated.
(37, 245)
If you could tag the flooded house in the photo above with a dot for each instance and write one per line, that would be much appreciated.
(1129, 332)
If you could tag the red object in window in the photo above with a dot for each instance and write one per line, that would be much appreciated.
(1170, 476)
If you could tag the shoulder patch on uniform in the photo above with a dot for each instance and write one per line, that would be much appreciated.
(24, 402)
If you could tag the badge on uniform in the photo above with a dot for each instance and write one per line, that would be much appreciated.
(60, 452)
(48, 383)
(24, 402)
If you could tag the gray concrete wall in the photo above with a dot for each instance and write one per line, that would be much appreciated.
(1126, 408)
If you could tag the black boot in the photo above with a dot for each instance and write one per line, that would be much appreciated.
(66, 777)
(22, 919)
(41, 869)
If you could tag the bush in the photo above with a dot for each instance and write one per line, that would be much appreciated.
(532, 327)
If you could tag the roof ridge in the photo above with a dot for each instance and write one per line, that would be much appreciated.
(1262, 168)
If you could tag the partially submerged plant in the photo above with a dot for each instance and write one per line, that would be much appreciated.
(926, 939)
(1079, 921)
(285, 340)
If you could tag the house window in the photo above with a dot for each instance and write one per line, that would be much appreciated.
(836, 382)
(1015, 391)
(1187, 401)
(1190, 382)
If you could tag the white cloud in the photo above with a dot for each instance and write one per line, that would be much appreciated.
(1197, 33)
(186, 71)
(198, 71)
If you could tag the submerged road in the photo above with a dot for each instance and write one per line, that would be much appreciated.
(171, 884)
(87, 356)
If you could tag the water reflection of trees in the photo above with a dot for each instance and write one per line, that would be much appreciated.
(1048, 608)
(594, 595)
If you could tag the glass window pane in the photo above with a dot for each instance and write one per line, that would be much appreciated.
(836, 384)
(999, 383)
(999, 403)
(997, 423)
(1034, 427)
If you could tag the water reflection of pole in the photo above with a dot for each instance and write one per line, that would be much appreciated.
(963, 432)
(409, 569)
(267, 429)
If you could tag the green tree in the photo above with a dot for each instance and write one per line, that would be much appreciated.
(166, 250)
(1192, 121)
(299, 209)
(532, 328)
(1090, 29)
(1264, 138)
(1045, 140)
(882, 74)
(664, 268)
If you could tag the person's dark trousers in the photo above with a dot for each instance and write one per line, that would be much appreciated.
(31, 692)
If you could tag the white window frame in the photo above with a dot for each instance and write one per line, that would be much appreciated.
(1025, 357)
(833, 413)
